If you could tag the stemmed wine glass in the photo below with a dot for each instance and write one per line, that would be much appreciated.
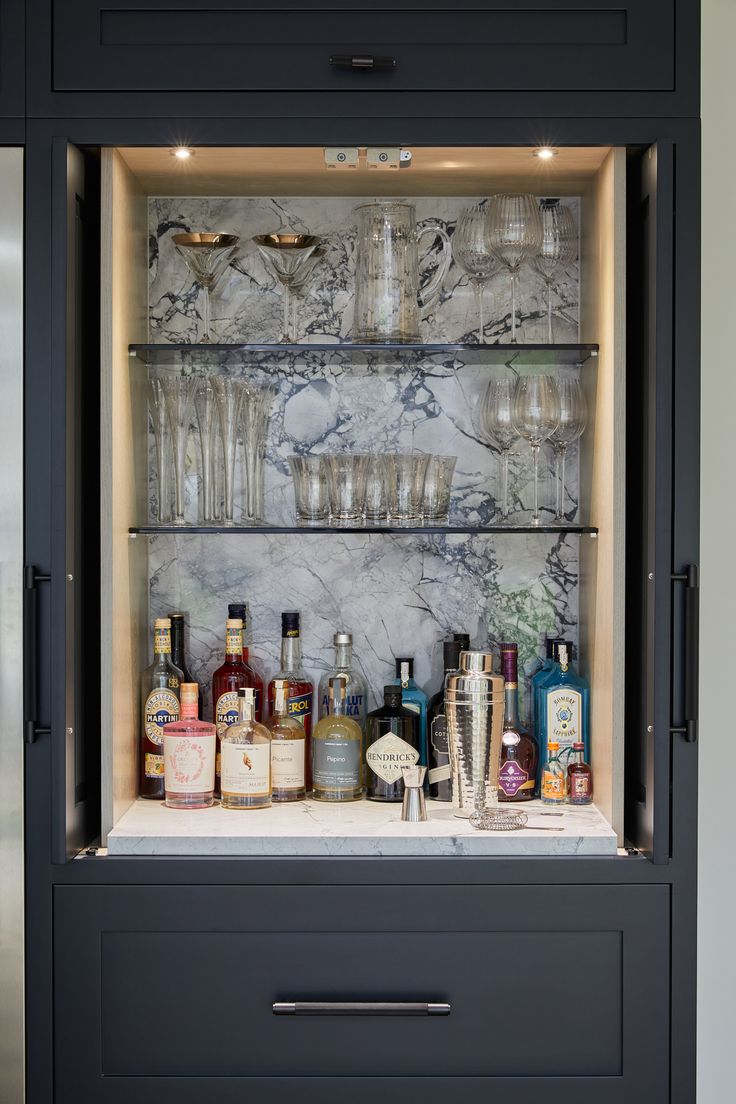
(571, 426)
(559, 247)
(285, 255)
(472, 255)
(536, 415)
(206, 256)
(179, 393)
(205, 404)
(497, 427)
(513, 235)
(159, 418)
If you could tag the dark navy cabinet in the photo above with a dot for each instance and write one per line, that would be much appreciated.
(12, 65)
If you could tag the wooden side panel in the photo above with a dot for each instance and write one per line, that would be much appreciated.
(123, 461)
(603, 453)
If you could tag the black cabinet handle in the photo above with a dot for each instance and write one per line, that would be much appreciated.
(30, 654)
(362, 61)
(361, 1008)
(691, 652)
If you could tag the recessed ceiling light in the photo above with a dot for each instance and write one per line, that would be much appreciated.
(545, 153)
(182, 153)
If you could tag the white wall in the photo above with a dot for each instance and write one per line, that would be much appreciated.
(717, 834)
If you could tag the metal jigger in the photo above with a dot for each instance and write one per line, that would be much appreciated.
(414, 807)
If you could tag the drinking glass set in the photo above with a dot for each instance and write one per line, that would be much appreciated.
(227, 414)
(537, 409)
(508, 231)
(358, 488)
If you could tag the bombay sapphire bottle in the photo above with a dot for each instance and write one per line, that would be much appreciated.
(564, 708)
(414, 699)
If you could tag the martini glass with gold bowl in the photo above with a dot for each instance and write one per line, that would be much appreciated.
(286, 255)
(206, 256)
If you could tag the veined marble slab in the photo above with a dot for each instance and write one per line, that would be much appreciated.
(362, 828)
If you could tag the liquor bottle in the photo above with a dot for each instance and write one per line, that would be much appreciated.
(177, 646)
(564, 706)
(189, 756)
(238, 611)
(552, 789)
(337, 745)
(355, 702)
(233, 675)
(538, 677)
(438, 752)
(392, 741)
(246, 758)
(301, 690)
(579, 778)
(517, 776)
(288, 741)
(413, 698)
(160, 706)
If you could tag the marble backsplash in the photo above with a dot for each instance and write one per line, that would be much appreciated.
(397, 594)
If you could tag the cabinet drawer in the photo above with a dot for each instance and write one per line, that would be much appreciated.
(564, 983)
(247, 45)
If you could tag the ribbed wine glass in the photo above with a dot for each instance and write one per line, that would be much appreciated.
(497, 427)
(514, 236)
(571, 426)
(472, 255)
(559, 247)
(536, 415)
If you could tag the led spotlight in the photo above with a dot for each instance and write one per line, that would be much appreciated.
(545, 153)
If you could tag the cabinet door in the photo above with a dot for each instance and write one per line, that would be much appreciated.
(245, 45)
(12, 59)
(555, 993)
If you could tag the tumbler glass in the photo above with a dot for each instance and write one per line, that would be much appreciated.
(437, 487)
(346, 485)
(405, 475)
(310, 488)
(376, 496)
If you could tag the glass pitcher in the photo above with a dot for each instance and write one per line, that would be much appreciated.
(388, 297)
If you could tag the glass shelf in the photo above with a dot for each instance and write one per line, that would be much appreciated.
(223, 356)
(397, 530)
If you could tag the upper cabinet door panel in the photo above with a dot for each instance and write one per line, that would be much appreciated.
(12, 54)
(349, 45)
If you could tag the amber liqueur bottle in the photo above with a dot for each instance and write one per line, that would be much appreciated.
(300, 691)
(517, 777)
(234, 674)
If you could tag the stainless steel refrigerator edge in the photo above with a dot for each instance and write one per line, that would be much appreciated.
(11, 620)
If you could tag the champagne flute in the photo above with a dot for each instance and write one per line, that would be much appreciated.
(559, 248)
(229, 395)
(536, 415)
(180, 393)
(573, 419)
(514, 236)
(159, 419)
(471, 254)
(497, 427)
(205, 404)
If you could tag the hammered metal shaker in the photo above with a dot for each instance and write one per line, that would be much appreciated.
(414, 807)
(474, 706)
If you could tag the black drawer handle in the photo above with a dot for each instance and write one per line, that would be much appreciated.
(361, 1008)
(31, 728)
(689, 729)
(362, 61)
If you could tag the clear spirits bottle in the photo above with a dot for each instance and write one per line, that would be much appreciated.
(552, 789)
(159, 706)
(337, 747)
(301, 690)
(246, 759)
(392, 742)
(413, 698)
(356, 698)
(189, 756)
(288, 742)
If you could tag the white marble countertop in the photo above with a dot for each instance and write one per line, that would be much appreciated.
(359, 828)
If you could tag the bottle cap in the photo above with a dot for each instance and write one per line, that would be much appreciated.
(408, 671)
(509, 663)
(290, 623)
(189, 693)
(463, 639)
(234, 623)
(552, 641)
(578, 747)
(557, 645)
(337, 688)
(392, 695)
(162, 623)
(176, 617)
(553, 745)
(451, 654)
(237, 610)
(248, 693)
(342, 638)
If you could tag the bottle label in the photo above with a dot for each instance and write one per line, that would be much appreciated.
(352, 706)
(336, 763)
(189, 763)
(246, 769)
(287, 764)
(579, 785)
(233, 641)
(564, 714)
(553, 785)
(162, 707)
(227, 711)
(300, 706)
(439, 774)
(153, 765)
(161, 641)
(512, 778)
(388, 755)
(438, 735)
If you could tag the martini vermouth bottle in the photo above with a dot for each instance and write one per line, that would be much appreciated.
(160, 685)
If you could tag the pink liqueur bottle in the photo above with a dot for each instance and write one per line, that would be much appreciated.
(189, 756)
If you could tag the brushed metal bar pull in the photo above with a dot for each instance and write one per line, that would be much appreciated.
(689, 728)
(361, 1008)
(362, 61)
(31, 729)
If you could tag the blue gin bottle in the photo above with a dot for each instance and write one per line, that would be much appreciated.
(413, 698)
(538, 677)
(564, 708)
